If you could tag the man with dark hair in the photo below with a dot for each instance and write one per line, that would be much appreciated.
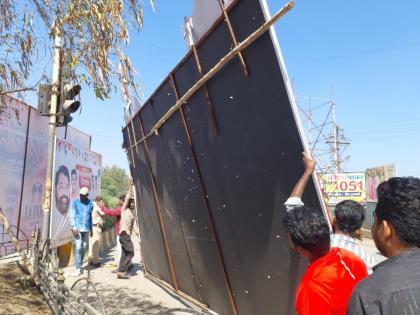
(117, 214)
(127, 246)
(329, 279)
(81, 227)
(74, 185)
(348, 219)
(62, 189)
(394, 286)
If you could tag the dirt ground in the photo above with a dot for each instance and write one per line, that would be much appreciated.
(16, 298)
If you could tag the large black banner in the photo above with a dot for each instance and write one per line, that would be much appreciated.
(211, 185)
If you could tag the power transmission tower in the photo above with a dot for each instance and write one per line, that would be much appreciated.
(325, 137)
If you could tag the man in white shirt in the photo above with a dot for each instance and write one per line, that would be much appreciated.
(348, 219)
(97, 223)
(344, 226)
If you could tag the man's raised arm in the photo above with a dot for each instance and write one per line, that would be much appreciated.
(295, 199)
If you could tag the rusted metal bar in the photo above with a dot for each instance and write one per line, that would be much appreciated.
(222, 62)
(131, 146)
(205, 92)
(233, 36)
(159, 213)
(23, 172)
(134, 135)
(163, 284)
(210, 215)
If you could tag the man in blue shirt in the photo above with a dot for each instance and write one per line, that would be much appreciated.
(81, 226)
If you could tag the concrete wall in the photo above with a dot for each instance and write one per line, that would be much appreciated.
(65, 253)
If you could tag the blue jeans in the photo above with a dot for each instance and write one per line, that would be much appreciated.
(81, 247)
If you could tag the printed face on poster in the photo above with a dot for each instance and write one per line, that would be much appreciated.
(343, 186)
(377, 175)
(75, 167)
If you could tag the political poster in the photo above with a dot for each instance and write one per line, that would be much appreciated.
(343, 186)
(75, 167)
(35, 173)
(13, 129)
(377, 175)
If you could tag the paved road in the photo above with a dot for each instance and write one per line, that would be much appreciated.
(139, 295)
(136, 295)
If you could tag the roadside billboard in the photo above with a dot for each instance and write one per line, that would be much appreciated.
(343, 186)
(13, 133)
(377, 175)
(75, 167)
(35, 173)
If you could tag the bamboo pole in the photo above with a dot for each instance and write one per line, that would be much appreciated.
(232, 54)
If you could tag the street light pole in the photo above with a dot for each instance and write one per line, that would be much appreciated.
(51, 131)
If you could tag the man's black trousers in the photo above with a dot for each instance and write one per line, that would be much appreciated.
(127, 251)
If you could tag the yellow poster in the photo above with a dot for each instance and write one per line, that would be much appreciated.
(343, 186)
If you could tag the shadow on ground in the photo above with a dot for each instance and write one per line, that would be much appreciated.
(17, 297)
(122, 301)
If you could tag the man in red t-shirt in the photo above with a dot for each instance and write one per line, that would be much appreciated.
(117, 214)
(327, 284)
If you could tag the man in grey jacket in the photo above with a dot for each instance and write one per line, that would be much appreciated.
(394, 286)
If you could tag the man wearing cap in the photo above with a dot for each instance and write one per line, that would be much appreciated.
(81, 226)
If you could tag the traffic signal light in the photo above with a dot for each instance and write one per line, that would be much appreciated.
(68, 104)
(68, 91)
(44, 99)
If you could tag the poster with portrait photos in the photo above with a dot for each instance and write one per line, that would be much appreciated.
(75, 167)
(377, 175)
(35, 172)
(13, 129)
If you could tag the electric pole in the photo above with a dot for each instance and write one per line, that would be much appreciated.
(326, 139)
(55, 30)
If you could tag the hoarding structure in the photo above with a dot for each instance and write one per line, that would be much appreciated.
(74, 167)
(23, 150)
(211, 184)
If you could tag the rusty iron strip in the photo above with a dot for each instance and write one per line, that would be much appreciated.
(222, 62)
(159, 214)
(131, 146)
(134, 134)
(184, 296)
(203, 189)
(233, 36)
(205, 92)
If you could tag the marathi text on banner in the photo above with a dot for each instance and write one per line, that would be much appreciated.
(75, 167)
(343, 186)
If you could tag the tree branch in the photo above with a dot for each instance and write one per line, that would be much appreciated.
(18, 90)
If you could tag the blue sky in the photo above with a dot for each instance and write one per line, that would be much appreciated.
(368, 50)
